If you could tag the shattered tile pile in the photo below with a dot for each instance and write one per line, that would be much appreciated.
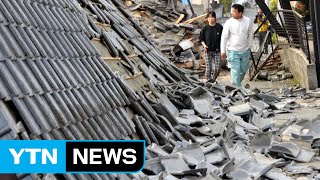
(172, 29)
(86, 70)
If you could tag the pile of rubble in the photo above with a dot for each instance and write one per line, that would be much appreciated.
(274, 70)
(222, 132)
(172, 28)
(90, 72)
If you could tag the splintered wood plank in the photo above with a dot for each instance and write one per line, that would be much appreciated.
(198, 18)
(180, 18)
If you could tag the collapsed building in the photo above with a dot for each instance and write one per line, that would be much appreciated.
(86, 70)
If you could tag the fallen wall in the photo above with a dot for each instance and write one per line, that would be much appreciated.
(299, 66)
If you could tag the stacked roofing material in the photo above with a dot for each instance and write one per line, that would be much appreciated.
(172, 29)
(53, 76)
(57, 84)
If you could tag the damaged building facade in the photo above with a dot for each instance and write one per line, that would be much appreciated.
(88, 70)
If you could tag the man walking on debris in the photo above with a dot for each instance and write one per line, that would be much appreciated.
(236, 40)
(262, 32)
(210, 37)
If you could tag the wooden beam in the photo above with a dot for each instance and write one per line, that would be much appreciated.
(180, 18)
(198, 18)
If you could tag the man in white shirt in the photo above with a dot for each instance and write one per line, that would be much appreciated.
(236, 41)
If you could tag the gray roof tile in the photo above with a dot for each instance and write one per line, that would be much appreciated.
(86, 134)
(106, 95)
(13, 45)
(47, 111)
(38, 74)
(73, 106)
(67, 73)
(54, 75)
(68, 133)
(19, 13)
(101, 15)
(26, 39)
(65, 108)
(81, 45)
(33, 37)
(47, 71)
(6, 13)
(93, 63)
(43, 43)
(41, 15)
(95, 129)
(118, 124)
(25, 113)
(85, 104)
(9, 80)
(92, 73)
(82, 71)
(57, 43)
(75, 130)
(34, 14)
(57, 73)
(55, 12)
(28, 15)
(27, 51)
(56, 109)
(59, 26)
(73, 71)
(74, 44)
(4, 92)
(50, 43)
(19, 78)
(37, 114)
(28, 75)
(2, 17)
(58, 134)
(113, 129)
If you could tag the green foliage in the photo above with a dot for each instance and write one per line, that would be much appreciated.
(225, 5)
(274, 37)
(274, 5)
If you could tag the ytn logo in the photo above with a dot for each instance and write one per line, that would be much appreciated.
(32, 152)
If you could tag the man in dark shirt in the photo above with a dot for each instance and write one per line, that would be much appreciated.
(210, 37)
